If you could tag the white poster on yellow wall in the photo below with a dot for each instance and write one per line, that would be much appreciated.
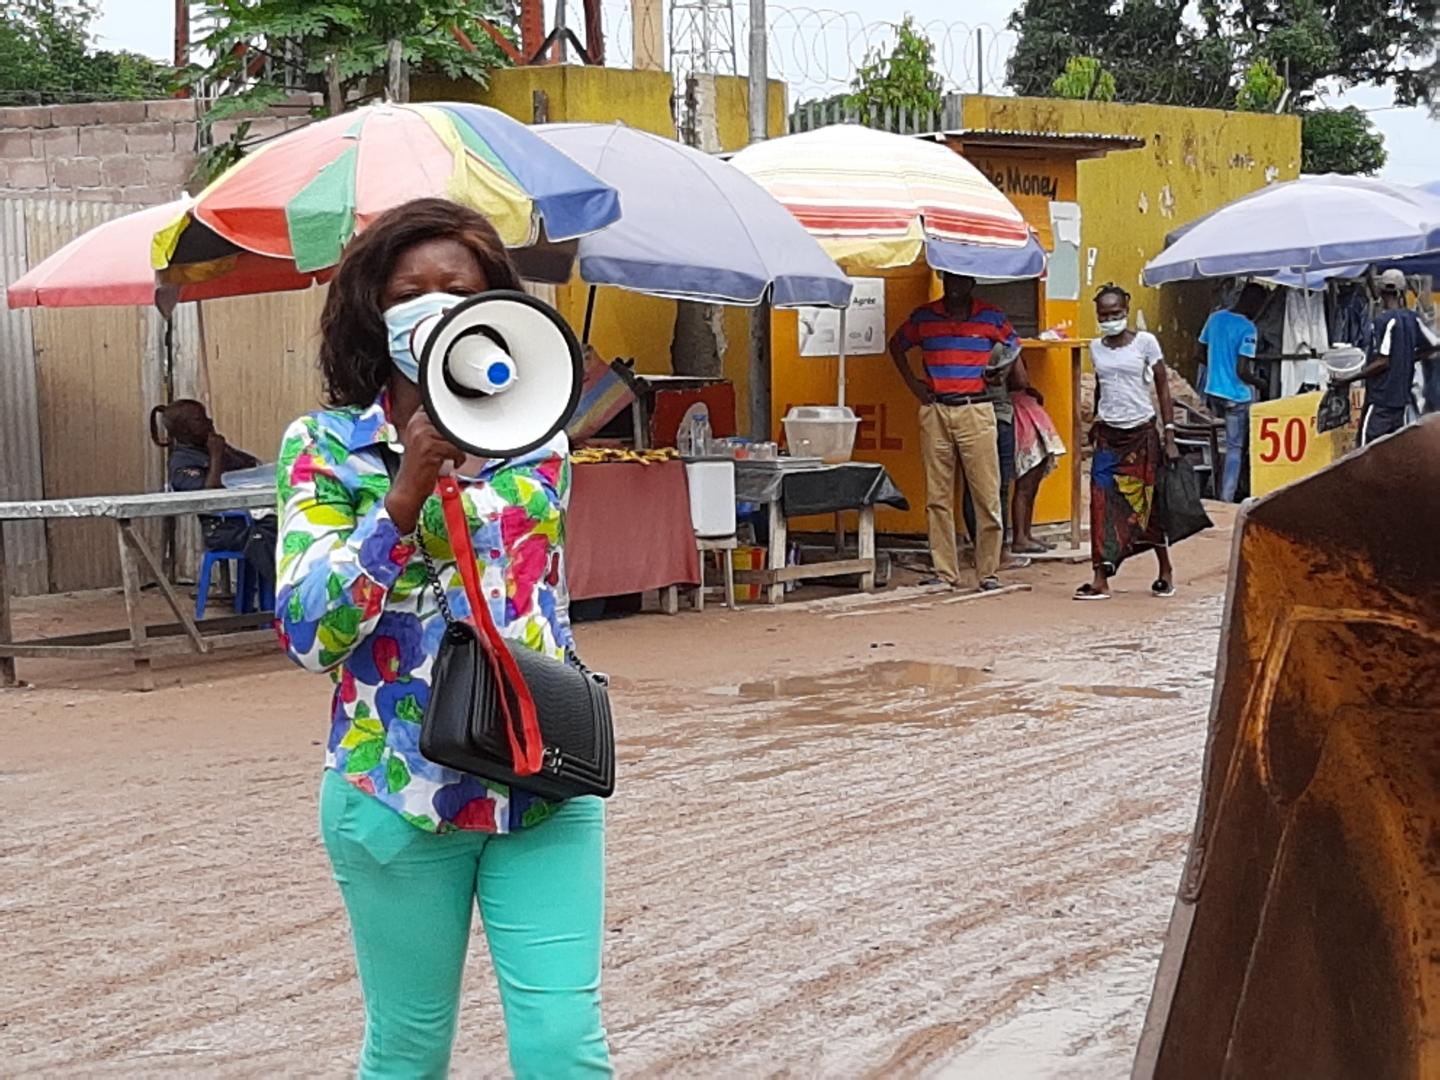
(864, 324)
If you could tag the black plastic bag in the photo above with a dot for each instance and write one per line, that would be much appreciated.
(1334, 409)
(1177, 501)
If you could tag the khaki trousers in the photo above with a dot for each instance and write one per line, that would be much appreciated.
(963, 435)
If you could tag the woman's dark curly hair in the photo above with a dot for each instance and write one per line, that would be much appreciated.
(354, 347)
(1111, 289)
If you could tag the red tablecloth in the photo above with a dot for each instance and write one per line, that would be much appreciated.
(629, 530)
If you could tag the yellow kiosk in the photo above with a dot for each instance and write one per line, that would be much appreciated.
(1038, 173)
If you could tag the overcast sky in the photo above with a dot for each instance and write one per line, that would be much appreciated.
(812, 50)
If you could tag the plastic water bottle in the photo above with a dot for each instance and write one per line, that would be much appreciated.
(700, 437)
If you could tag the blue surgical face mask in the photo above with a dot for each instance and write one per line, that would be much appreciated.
(1114, 327)
(401, 322)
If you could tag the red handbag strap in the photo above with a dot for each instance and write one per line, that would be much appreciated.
(527, 748)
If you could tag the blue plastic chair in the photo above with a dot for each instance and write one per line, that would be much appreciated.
(245, 588)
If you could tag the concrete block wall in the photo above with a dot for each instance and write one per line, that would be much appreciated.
(114, 151)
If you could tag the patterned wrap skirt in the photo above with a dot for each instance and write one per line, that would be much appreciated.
(1122, 494)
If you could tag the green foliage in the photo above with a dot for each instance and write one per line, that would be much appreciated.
(262, 50)
(45, 56)
(904, 80)
(1262, 89)
(1202, 52)
(1085, 79)
(1341, 141)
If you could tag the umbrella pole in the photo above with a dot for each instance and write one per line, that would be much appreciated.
(589, 316)
(843, 334)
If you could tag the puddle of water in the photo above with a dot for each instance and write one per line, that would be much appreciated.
(1151, 692)
(887, 675)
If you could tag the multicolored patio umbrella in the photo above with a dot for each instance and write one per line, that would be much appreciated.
(874, 200)
(303, 196)
(877, 201)
(109, 266)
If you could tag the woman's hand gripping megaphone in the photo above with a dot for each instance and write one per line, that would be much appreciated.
(428, 455)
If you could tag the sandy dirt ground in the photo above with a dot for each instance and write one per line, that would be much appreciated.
(900, 837)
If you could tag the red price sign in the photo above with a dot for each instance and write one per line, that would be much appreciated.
(1284, 438)
(1285, 444)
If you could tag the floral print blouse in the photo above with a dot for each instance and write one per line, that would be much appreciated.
(353, 600)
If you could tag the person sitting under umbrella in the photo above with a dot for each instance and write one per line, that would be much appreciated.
(199, 457)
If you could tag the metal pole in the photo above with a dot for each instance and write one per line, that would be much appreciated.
(589, 316)
(759, 72)
(979, 60)
(844, 333)
(759, 81)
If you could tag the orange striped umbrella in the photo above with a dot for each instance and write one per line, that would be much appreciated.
(874, 199)
(109, 266)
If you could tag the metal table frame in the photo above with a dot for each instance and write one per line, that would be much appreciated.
(138, 641)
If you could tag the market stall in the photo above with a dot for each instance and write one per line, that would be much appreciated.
(1306, 231)
(726, 242)
(1033, 174)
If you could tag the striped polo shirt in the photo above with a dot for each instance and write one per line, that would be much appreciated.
(956, 350)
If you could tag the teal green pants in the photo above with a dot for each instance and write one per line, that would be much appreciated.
(411, 896)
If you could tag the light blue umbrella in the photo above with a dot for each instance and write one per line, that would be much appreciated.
(694, 227)
(1309, 224)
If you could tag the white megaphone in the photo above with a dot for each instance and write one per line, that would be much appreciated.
(500, 373)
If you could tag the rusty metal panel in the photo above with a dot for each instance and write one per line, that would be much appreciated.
(21, 476)
(1305, 940)
(97, 374)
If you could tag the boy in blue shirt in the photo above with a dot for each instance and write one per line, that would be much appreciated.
(1229, 338)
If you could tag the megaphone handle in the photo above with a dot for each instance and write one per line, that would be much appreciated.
(527, 748)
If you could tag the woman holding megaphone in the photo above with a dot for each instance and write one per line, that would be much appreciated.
(366, 578)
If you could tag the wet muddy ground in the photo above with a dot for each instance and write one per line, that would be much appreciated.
(913, 838)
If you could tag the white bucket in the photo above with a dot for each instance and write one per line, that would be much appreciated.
(712, 497)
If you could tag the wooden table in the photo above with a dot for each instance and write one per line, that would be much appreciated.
(765, 483)
(139, 642)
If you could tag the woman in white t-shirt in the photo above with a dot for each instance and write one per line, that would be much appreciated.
(1128, 365)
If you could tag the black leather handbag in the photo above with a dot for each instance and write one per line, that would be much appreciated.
(505, 713)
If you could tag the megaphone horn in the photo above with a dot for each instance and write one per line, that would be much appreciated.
(500, 373)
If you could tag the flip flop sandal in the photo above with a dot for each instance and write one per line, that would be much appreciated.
(1089, 592)
(1037, 549)
(1162, 588)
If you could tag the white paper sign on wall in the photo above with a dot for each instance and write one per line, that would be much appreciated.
(864, 325)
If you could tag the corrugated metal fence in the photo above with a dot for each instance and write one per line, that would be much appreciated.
(77, 384)
(808, 115)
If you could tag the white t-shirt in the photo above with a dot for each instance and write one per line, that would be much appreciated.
(1125, 376)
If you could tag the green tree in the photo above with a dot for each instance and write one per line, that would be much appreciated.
(261, 51)
(1085, 79)
(1262, 89)
(1341, 141)
(904, 80)
(1241, 54)
(1196, 52)
(46, 56)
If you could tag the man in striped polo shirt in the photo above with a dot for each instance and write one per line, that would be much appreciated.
(957, 420)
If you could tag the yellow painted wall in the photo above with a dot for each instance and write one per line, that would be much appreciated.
(626, 324)
(1193, 161)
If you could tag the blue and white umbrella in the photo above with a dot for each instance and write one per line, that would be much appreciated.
(694, 227)
(1310, 224)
